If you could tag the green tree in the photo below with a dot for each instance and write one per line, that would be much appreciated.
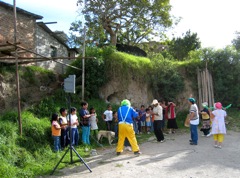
(225, 67)
(180, 47)
(131, 20)
(94, 35)
(166, 81)
(236, 41)
(95, 75)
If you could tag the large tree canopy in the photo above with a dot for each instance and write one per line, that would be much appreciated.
(180, 47)
(129, 21)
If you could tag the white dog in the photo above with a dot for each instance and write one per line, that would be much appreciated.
(107, 134)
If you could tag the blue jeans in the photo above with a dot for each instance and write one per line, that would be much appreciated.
(109, 125)
(139, 126)
(116, 131)
(64, 138)
(194, 133)
(85, 135)
(135, 126)
(75, 136)
(56, 143)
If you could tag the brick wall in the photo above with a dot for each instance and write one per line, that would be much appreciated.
(45, 43)
(25, 29)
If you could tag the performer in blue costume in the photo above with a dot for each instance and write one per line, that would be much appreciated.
(125, 125)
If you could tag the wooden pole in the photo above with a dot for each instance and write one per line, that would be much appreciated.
(205, 87)
(208, 87)
(202, 88)
(83, 64)
(199, 89)
(17, 75)
(212, 91)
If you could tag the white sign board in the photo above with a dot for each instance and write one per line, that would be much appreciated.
(69, 84)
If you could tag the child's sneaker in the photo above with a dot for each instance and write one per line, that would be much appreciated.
(128, 148)
(208, 135)
(219, 146)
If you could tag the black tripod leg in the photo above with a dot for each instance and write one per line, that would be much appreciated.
(99, 144)
(59, 161)
(81, 159)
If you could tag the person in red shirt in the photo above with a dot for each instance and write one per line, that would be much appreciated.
(170, 115)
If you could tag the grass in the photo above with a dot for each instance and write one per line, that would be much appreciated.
(233, 119)
(119, 165)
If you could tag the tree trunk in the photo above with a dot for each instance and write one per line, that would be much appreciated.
(110, 29)
(113, 39)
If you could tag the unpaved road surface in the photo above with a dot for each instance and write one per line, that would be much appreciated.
(174, 158)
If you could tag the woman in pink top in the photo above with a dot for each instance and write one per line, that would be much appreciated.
(218, 125)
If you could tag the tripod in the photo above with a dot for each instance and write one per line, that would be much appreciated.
(70, 148)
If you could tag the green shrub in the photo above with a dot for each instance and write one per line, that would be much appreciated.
(11, 116)
(180, 118)
(166, 81)
(37, 75)
(94, 72)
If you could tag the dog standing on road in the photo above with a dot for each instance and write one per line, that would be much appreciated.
(107, 134)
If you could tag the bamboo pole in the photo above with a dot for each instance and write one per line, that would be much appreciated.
(212, 90)
(199, 89)
(208, 86)
(205, 87)
(17, 74)
(202, 80)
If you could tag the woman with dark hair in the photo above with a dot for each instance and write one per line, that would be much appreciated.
(194, 121)
(56, 132)
(73, 123)
(85, 123)
(170, 114)
(64, 127)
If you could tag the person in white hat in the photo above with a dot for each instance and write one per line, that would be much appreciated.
(157, 112)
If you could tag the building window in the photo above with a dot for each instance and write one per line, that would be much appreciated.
(53, 51)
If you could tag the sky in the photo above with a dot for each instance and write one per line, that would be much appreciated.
(214, 21)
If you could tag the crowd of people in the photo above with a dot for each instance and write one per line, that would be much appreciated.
(129, 121)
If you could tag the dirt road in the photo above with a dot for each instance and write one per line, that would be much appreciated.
(174, 158)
